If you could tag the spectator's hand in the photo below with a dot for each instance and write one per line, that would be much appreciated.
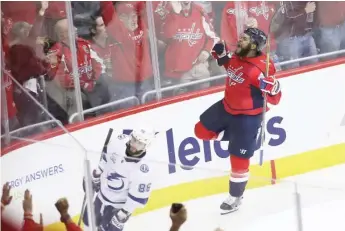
(62, 206)
(41, 40)
(178, 218)
(41, 221)
(6, 198)
(204, 55)
(52, 58)
(44, 7)
(27, 202)
(176, 6)
(310, 7)
(251, 23)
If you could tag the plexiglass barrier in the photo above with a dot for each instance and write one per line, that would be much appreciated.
(67, 62)
(153, 50)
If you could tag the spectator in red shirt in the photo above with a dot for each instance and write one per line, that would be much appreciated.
(20, 11)
(90, 67)
(106, 48)
(26, 60)
(256, 14)
(11, 106)
(131, 63)
(189, 38)
(11, 109)
(29, 223)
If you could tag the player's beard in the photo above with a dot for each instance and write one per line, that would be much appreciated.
(243, 51)
(130, 153)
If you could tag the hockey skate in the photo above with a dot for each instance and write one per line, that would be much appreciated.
(231, 204)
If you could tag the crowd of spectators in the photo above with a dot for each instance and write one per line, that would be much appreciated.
(114, 50)
(178, 217)
(114, 56)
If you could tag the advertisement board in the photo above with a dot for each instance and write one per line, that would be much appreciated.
(305, 123)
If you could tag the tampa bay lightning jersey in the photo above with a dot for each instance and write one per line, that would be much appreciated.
(124, 180)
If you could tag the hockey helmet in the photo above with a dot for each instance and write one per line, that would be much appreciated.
(141, 138)
(258, 37)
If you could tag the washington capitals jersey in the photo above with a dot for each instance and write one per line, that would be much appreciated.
(242, 85)
(124, 181)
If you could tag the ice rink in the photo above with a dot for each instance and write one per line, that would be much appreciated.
(269, 208)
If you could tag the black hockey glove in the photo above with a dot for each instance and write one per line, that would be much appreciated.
(117, 222)
(220, 52)
(219, 49)
(96, 180)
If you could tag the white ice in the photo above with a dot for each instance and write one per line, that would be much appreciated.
(271, 208)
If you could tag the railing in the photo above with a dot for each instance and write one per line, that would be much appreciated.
(146, 94)
(14, 133)
(313, 57)
(213, 78)
(104, 106)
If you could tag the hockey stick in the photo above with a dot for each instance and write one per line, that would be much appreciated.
(104, 150)
(268, 50)
(82, 210)
(263, 125)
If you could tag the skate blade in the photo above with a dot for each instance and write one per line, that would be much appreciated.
(227, 212)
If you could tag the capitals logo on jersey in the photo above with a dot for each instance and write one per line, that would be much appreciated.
(262, 10)
(235, 75)
(189, 35)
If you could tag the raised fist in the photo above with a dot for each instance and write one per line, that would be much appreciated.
(44, 5)
(62, 206)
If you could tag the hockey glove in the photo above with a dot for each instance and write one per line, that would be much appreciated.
(269, 85)
(117, 221)
(219, 50)
(96, 179)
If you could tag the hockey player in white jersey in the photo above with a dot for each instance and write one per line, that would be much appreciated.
(122, 180)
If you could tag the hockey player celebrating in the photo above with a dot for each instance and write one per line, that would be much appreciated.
(122, 180)
(239, 114)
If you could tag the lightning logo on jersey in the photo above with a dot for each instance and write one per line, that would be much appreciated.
(125, 182)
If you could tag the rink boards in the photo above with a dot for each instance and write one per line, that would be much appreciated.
(303, 134)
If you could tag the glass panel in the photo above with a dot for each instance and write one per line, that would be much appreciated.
(117, 64)
(186, 34)
(30, 58)
(38, 153)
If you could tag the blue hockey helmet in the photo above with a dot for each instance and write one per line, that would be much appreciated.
(257, 36)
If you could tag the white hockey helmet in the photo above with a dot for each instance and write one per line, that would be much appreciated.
(141, 138)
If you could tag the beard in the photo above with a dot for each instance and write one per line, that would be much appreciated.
(242, 52)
